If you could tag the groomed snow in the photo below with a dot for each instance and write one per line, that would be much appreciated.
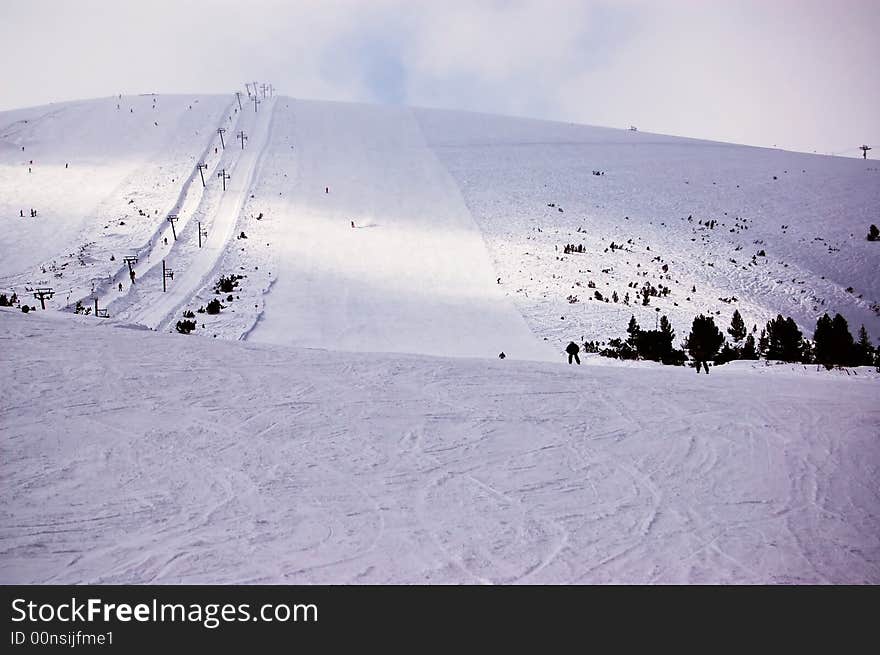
(133, 457)
(413, 275)
(315, 449)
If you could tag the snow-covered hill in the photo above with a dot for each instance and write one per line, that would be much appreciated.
(808, 214)
(129, 456)
(352, 421)
(460, 224)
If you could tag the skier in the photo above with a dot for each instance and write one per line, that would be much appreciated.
(120, 286)
(166, 241)
(501, 355)
(21, 213)
(131, 275)
(326, 189)
(352, 224)
(573, 349)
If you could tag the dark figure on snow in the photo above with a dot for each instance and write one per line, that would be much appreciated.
(501, 355)
(573, 349)
(131, 275)
(120, 286)
(352, 224)
(21, 213)
(701, 363)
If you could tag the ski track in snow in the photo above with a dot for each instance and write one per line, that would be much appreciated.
(127, 456)
(267, 464)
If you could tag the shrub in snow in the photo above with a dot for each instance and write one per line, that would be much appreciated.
(873, 233)
(227, 283)
(186, 326)
(25, 309)
(188, 314)
(214, 307)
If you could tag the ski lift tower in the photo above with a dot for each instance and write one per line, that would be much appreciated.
(43, 294)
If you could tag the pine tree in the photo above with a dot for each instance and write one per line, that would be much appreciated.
(737, 329)
(633, 331)
(864, 349)
(873, 233)
(748, 350)
(705, 339)
(784, 340)
(763, 343)
(844, 346)
(822, 338)
(668, 332)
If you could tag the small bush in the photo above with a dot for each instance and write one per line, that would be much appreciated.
(186, 326)
(214, 307)
(873, 233)
(188, 314)
(25, 309)
(227, 283)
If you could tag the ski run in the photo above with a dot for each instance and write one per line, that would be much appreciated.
(346, 418)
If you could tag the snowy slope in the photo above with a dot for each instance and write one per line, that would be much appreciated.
(412, 276)
(655, 191)
(444, 203)
(128, 457)
(131, 456)
(90, 159)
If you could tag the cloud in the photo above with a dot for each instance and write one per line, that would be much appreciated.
(798, 73)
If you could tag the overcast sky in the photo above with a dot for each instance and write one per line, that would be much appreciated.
(799, 74)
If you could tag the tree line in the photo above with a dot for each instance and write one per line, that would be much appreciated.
(780, 340)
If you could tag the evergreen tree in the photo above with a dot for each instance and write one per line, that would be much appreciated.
(728, 354)
(834, 343)
(873, 233)
(668, 332)
(705, 339)
(844, 346)
(807, 352)
(633, 331)
(763, 343)
(784, 340)
(864, 349)
(822, 337)
(656, 345)
(748, 350)
(737, 329)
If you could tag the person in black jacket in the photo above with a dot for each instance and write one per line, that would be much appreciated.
(573, 349)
